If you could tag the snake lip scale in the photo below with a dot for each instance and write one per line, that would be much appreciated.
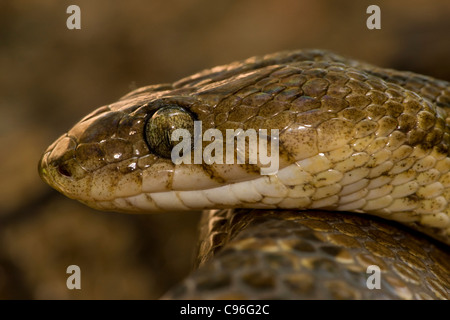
(353, 137)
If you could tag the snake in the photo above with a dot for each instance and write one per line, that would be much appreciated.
(358, 207)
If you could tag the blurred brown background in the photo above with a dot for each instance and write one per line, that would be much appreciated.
(51, 76)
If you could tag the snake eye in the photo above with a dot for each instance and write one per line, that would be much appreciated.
(159, 128)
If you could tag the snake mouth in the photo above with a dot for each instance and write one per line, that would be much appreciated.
(48, 170)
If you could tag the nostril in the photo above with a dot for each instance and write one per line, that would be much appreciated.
(64, 170)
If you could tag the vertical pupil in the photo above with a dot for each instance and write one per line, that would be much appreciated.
(159, 128)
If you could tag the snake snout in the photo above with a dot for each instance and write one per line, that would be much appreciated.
(49, 170)
(58, 167)
(42, 168)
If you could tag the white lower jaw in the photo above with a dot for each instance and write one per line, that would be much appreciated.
(296, 188)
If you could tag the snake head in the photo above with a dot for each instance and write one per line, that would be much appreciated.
(116, 158)
(351, 137)
(88, 162)
(105, 159)
(119, 156)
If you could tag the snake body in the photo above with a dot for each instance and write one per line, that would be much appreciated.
(352, 138)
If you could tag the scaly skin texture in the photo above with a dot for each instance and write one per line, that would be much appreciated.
(267, 254)
(352, 137)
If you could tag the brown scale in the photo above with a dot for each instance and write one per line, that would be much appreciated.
(285, 254)
(267, 254)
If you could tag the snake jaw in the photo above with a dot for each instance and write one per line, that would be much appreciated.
(353, 137)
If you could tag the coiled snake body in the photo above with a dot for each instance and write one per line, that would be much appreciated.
(352, 138)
